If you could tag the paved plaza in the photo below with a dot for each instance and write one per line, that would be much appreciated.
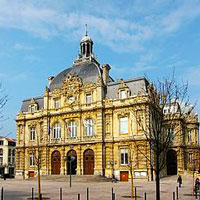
(21, 189)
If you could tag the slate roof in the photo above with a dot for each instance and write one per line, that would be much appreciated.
(26, 102)
(135, 85)
(89, 72)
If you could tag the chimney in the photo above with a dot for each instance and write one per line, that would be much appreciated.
(106, 69)
(50, 79)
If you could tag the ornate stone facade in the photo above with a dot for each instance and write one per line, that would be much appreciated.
(84, 113)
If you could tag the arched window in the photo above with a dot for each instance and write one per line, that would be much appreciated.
(88, 49)
(83, 48)
(56, 131)
(89, 127)
(72, 129)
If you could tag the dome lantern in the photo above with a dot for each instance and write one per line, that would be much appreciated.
(86, 45)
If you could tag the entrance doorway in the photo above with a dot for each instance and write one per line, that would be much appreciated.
(55, 162)
(72, 153)
(171, 162)
(88, 162)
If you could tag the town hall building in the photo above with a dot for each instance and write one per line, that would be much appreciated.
(87, 116)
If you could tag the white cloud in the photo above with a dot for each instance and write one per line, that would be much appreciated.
(107, 25)
(19, 46)
(187, 11)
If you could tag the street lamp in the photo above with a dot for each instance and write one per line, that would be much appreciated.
(70, 159)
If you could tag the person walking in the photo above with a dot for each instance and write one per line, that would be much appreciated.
(179, 180)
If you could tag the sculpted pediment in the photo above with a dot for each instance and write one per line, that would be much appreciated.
(71, 84)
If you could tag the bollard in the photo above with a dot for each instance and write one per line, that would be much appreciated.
(79, 196)
(2, 193)
(87, 195)
(173, 195)
(135, 193)
(32, 193)
(145, 196)
(60, 193)
(40, 196)
(176, 192)
(112, 194)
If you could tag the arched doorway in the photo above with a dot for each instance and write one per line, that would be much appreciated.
(171, 162)
(88, 162)
(72, 153)
(55, 162)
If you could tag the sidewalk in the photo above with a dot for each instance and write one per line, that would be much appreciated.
(21, 189)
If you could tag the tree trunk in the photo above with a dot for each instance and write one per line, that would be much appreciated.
(39, 187)
(132, 193)
(157, 172)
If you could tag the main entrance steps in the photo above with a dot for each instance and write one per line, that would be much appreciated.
(75, 178)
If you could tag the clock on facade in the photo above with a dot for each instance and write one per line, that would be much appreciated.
(71, 99)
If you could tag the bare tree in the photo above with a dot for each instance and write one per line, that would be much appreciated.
(37, 155)
(166, 102)
(3, 101)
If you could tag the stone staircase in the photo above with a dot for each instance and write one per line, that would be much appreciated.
(75, 178)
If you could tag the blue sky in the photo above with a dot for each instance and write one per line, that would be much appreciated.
(39, 38)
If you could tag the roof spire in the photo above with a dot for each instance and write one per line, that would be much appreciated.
(86, 32)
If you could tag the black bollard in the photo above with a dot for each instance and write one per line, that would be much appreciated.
(176, 192)
(145, 196)
(112, 194)
(40, 196)
(79, 197)
(32, 193)
(135, 193)
(173, 195)
(87, 194)
(60, 193)
(2, 193)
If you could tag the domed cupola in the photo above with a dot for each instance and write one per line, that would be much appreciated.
(86, 45)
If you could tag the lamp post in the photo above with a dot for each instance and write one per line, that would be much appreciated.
(70, 159)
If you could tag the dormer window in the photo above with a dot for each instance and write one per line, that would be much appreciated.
(56, 103)
(32, 108)
(123, 94)
(88, 98)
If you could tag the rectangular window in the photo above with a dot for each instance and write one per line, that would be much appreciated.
(9, 152)
(88, 98)
(124, 156)
(56, 103)
(124, 125)
(32, 108)
(32, 133)
(190, 158)
(170, 133)
(1, 161)
(122, 94)
(189, 137)
(89, 127)
(1, 142)
(32, 160)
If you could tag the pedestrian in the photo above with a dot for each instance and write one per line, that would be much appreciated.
(197, 183)
(179, 180)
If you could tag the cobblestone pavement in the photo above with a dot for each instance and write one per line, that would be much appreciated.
(21, 189)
